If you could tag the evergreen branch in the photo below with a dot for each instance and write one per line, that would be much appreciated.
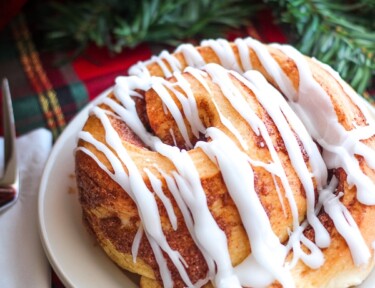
(339, 34)
(118, 24)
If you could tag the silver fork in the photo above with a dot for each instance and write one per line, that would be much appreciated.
(9, 183)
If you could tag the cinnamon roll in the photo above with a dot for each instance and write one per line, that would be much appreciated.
(231, 164)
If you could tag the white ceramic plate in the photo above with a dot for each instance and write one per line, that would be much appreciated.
(73, 254)
(76, 258)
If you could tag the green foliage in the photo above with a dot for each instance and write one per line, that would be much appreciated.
(339, 33)
(117, 24)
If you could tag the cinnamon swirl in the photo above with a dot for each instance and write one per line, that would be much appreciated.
(231, 165)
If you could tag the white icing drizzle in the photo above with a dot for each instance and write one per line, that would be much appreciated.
(281, 200)
(199, 75)
(164, 95)
(173, 188)
(225, 53)
(319, 117)
(188, 102)
(173, 136)
(137, 242)
(338, 144)
(272, 68)
(162, 263)
(229, 125)
(143, 198)
(157, 187)
(244, 54)
(210, 237)
(238, 176)
(207, 234)
(352, 94)
(140, 69)
(279, 111)
(162, 65)
(346, 226)
(220, 76)
(362, 132)
(190, 108)
(191, 55)
(267, 261)
(172, 61)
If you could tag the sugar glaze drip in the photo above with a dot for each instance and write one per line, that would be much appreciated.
(339, 146)
(270, 271)
(184, 172)
(207, 234)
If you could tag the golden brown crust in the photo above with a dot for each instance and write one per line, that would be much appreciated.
(112, 215)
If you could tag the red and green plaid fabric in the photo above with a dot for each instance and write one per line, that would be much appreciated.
(49, 95)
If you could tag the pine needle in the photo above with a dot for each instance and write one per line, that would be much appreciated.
(339, 33)
(118, 24)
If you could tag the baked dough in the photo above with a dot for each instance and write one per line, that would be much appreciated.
(196, 171)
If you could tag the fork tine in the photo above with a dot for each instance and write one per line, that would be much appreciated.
(10, 175)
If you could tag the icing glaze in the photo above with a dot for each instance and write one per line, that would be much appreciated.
(316, 117)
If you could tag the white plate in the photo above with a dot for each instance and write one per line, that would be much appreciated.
(74, 255)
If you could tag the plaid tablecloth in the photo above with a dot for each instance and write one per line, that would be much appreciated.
(49, 95)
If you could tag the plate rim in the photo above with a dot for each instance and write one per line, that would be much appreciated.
(78, 119)
(42, 191)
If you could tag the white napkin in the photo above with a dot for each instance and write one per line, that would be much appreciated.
(22, 259)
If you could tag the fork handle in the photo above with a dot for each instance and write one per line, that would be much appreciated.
(7, 194)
